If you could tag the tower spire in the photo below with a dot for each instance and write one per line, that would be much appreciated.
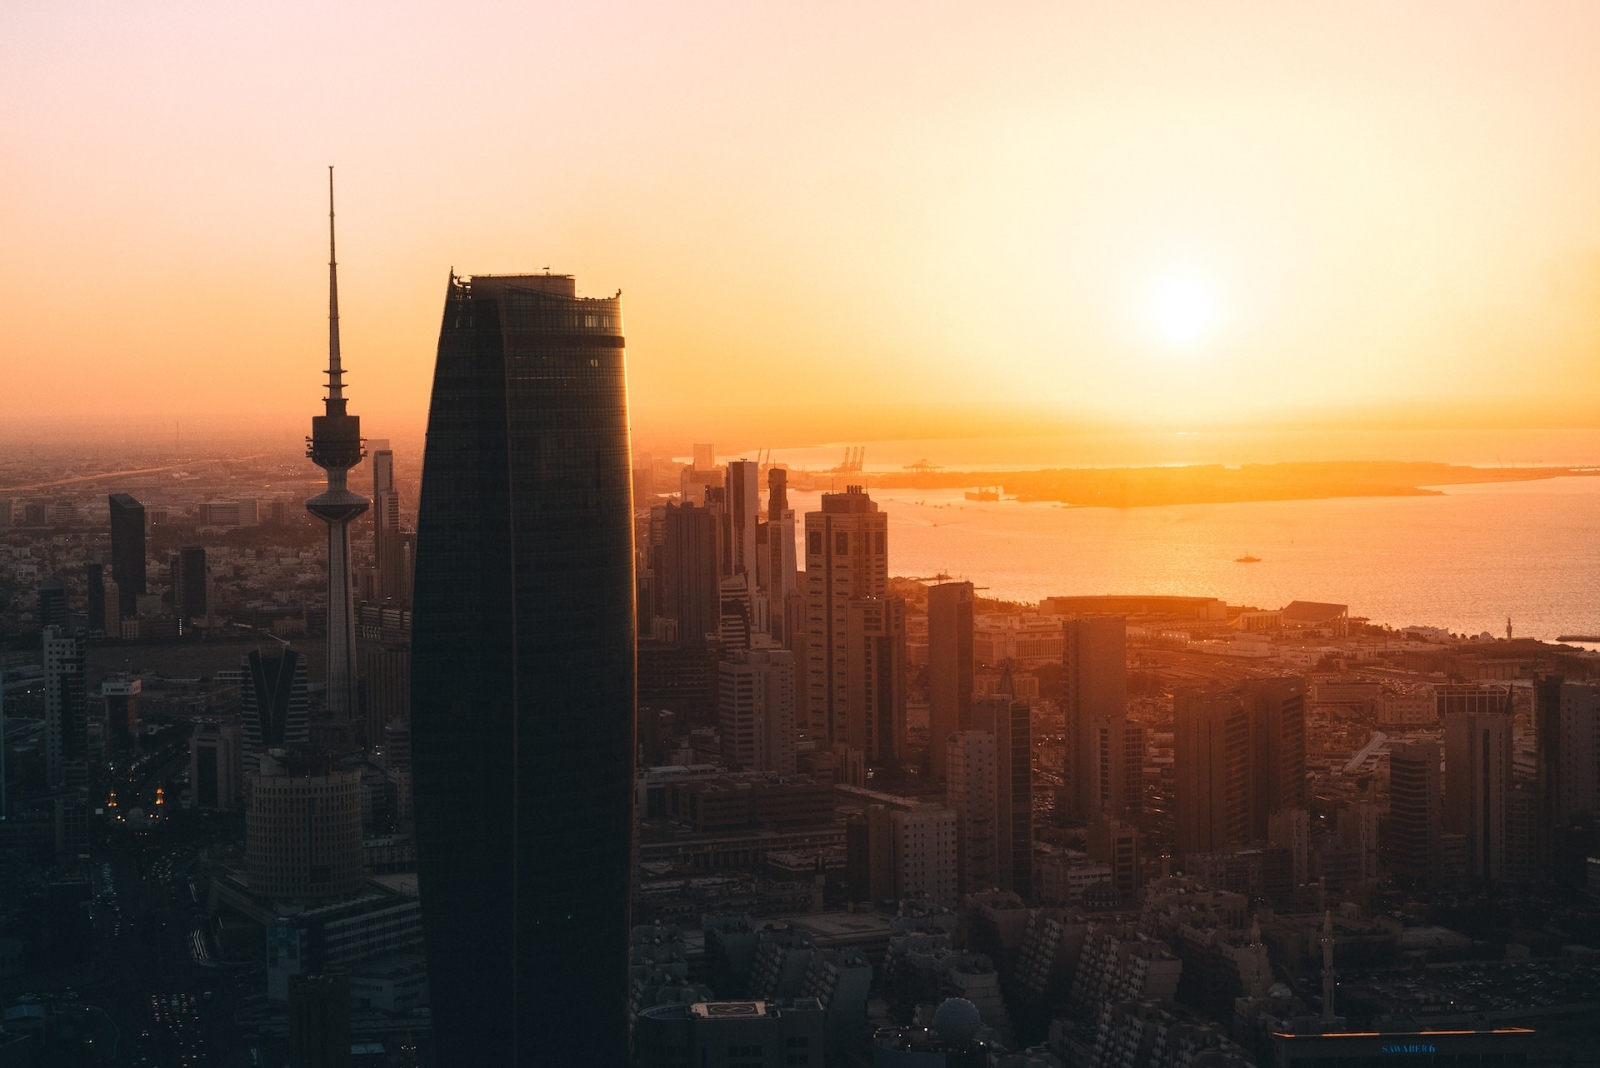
(335, 368)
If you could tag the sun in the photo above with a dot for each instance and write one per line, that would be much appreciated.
(1182, 310)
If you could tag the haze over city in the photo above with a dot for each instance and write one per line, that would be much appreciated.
(740, 536)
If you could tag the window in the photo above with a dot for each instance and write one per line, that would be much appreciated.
(814, 542)
(841, 544)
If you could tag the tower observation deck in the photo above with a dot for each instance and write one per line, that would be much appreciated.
(335, 446)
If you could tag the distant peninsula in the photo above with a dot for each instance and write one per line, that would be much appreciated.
(1144, 487)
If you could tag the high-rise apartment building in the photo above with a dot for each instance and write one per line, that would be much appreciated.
(120, 693)
(950, 667)
(522, 676)
(756, 710)
(52, 605)
(875, 674)
(1477, 784)
(127, 553)
(685, 572)
(1095, 772)
(1567, 722)
(66, 712)
(274, 703)
(847, 556)
(335, 446)
(1413, 845)
(923, 844)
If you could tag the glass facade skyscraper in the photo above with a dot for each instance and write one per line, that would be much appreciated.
(523, 677)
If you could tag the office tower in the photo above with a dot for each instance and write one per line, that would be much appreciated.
(1211, 765)
(216, 764)
(303, 827)
(274, 703)
(3, 809)
(319, 1020)
(875, 678)
(191, 583)
(869, 855)
(1450, 698)
(121, 696)
(52, 605)
(1094, 773)
(388, 548)
(743, 488)
(522, 681)
(1477, 782)
(686, 571)
(335, 446)
(1010, 721)
(94, 576)
(756, 710)
(1278, 748)
(1413, 846)
(66, 712)
(700, 476)
(972, 792)
(782, 577)
(949, 667)
(127, 552)
(847, 556)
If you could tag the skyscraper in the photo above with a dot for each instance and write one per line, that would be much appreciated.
(971, 790)
(1413, 844)
(744, 507)
(191, 583)
(1010, 721)
(756, 709)
(1211, 766)
(1095, 772)
(388, 546)
(950, 607)
(274, 703)
(847, 556)
(127, 553)
(1239, 758)
(685, 568)
(782, 577)
(1477, 784)
(335, 446)
(94, 575)
(523, 676)
(875, 674)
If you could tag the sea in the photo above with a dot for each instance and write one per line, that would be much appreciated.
(1477, 558)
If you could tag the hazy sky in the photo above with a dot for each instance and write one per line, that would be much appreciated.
(1184, 212)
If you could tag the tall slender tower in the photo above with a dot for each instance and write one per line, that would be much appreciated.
(335, 446)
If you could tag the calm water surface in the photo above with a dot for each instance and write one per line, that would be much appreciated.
(1465, 561)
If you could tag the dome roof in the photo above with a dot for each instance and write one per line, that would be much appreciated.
(957, 1021)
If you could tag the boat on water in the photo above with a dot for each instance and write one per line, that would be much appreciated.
(1247, 559)
(983, 493)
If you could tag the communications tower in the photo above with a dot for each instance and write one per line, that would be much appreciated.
(335, 446)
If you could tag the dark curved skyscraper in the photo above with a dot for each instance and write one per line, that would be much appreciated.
(523, 677)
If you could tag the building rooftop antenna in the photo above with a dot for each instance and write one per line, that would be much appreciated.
(335, 401)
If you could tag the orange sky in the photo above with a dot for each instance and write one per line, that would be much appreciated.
(968, 211)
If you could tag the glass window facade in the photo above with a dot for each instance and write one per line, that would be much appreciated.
(523, 677)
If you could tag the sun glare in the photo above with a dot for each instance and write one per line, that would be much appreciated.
(1182, 310)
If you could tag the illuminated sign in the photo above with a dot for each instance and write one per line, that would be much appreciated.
(1410, 1047)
